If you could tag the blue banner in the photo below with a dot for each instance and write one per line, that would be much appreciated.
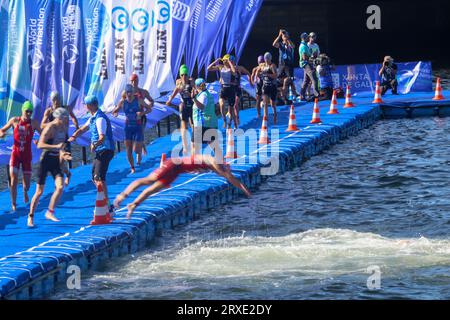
(73, 52)
(182, 15)
(80, 47)
(3, 55)
(242, 24)
(96, 23)
(216, 14)
(411, 77)
(194, 37)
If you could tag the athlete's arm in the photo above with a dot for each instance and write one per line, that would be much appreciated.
(214, 66)
(276, 43)
(230, 178)
(232, 66)
(36, 127)
(6, 127)
(176, 91)
(274, 71)
(116, 110)
(44, 121)
(79, 132)
(74, 119)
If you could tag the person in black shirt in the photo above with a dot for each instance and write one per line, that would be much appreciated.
(286, 62)
(388, 74)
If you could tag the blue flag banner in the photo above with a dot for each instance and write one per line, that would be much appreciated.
(80, 47)
(243, 24)
(181, 21)
(215, 17)
(194, 36)
(411, 77)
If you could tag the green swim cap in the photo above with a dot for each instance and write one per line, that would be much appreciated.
(184, 70)
(27, 106)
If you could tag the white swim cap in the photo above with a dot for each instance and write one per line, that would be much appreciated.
(61, 113)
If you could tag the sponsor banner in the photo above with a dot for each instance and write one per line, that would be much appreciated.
(411, 77)
(81, 47)
(182, 13)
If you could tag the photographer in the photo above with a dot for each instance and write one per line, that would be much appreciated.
(324, 68)
(286, 62)
(388, 74)
(310, 75)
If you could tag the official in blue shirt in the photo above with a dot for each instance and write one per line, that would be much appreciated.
(102, 142)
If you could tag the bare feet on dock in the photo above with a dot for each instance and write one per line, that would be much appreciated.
(30, 222)
(131, 207)
(13, 207)
(119, 199)
(133, 170)
(51, 216)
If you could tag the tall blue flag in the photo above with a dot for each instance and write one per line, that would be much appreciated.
(182, 13)
(73, 53)
(194, 39)
(244, 16)
(216, 13)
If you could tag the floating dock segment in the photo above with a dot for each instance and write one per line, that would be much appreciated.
(33, 262)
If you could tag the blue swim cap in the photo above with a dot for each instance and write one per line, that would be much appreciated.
(232, 58)
(199, 82)
(129, 88)
(90, 99)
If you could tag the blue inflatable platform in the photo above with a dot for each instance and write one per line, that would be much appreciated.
(33, 262)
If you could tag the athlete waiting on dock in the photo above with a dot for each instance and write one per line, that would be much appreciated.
(24, 128)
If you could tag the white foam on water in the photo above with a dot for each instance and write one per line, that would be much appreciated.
(321, 252)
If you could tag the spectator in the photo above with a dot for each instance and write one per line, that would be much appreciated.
(286, 62)
(310, 75)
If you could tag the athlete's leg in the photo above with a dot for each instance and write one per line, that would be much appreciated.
(157, 186)
(34, 203)
(56, 196)
(222, 111)
(129, 150)
(132, 187)
(138, 150)
(14, 174)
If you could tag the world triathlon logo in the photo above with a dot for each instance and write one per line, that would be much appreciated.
(140, 19)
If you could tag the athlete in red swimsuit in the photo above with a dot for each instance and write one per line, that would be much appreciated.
(24, 128)
(163, 177)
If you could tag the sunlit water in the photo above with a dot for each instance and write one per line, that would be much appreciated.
(378, 201)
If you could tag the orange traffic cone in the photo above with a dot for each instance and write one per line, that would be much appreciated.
(231, 151)
(333, 105)
(264, 137)
(348, 99)
(163, 158)
(101, 211)
(438, 95)
(292, 121)
(377, 98)
(316, 112)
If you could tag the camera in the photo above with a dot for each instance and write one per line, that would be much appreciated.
(321, 60)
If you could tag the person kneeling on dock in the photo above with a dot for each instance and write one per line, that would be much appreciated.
(163, 177)
(388, 74)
